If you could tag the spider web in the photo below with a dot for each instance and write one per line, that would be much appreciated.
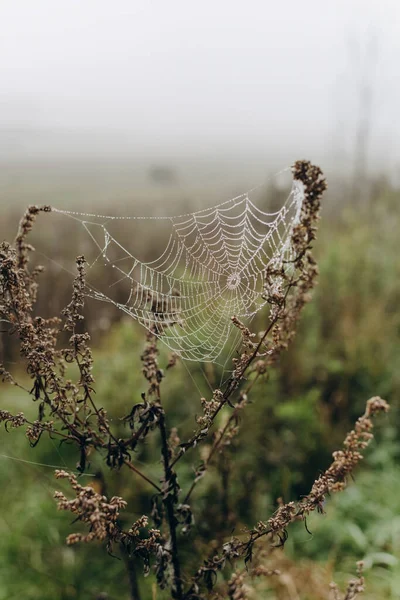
(212, 268)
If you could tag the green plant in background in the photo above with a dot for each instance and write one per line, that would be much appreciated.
(283, 438)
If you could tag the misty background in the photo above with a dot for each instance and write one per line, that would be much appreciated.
(102, 101)
(137, 108)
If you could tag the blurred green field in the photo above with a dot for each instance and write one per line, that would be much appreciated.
(347, 349)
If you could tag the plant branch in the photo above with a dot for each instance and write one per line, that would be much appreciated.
(170, 496)
(142, 475)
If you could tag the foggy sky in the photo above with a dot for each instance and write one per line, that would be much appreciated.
(216, 76)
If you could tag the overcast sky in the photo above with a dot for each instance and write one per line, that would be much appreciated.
(178, 75)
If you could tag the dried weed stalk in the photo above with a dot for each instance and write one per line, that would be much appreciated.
(355, 587)
(67, 411)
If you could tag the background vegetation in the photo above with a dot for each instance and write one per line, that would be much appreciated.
(346, 350)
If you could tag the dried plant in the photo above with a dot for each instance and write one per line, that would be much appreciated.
(67, 410)
(355, 587)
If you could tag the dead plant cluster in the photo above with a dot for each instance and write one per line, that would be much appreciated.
(67, 411)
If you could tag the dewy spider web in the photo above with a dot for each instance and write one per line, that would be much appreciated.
(212, 269)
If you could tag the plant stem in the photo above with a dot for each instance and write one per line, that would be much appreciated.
(131, 569)
(142, 475)
(169, 505)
